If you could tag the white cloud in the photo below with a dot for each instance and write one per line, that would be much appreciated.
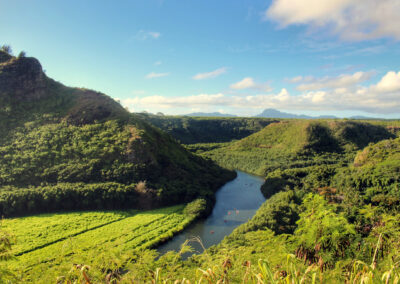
(295, 79)
(161, 102)
(248, 83)
(389, 83)
(350, 19)
(344, 80)
(144, 35)
(157, 63)
(208, 75)
(156, 75)
(380, 98)
(154, 34)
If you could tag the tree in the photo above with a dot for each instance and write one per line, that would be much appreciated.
(6, 48)
(21, 54)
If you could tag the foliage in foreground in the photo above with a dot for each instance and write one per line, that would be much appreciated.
(52, 242)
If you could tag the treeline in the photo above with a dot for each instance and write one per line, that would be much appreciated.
(192, 130)
(67, 196)
(73, 162)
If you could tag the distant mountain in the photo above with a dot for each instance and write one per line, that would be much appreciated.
(362, 117)
(210, 114)
(273, 113)
(326, 116)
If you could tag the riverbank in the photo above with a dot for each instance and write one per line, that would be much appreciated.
(236, 202)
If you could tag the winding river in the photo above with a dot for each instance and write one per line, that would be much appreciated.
(236, 202)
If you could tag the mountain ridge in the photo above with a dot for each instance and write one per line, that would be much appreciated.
(274, 113)
(210, 114)
(80, 149)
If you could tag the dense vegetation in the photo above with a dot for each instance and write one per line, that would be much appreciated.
(63, 148)
(295, 144)
(332, 213)
(192, 130)
(106, 165)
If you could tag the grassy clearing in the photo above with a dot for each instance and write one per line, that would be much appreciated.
(38, 231)
(52, 242)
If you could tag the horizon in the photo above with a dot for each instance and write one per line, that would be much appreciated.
(221, 114)
(239, 58)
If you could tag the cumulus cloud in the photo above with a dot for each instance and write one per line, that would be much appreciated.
(344, 80)
(161, 102)
(350, 19)
(389, 83)
(156, 75)
(248, 83)
(381, 98)
(212, 74)
(144, 35)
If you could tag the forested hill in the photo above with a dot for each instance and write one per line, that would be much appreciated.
(191, 130)
(65, 148)
(297, 143)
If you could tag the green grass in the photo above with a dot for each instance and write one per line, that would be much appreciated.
(50, 243)
(39, 231)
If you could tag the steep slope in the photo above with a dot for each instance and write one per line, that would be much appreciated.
(297, 143)
(374, 177)
(64, 148)
(27, 94)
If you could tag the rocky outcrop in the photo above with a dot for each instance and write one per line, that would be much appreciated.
(91, 106)
(23, 84)
(22, 79)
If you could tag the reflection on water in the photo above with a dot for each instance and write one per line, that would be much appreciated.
(236, 202)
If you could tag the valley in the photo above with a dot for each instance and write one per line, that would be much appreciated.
(91, 193)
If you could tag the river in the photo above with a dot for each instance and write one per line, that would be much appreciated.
(236, 202)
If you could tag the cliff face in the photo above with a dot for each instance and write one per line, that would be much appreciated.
(21, 79)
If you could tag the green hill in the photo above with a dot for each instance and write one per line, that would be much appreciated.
(66, 148)
(296, 143)
(192, 130)
(27, 94)
(374, 177)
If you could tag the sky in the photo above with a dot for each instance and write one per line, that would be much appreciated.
(315, 57)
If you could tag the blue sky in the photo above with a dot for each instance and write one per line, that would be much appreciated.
(330, 57)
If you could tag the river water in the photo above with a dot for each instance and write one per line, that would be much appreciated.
(236, 202)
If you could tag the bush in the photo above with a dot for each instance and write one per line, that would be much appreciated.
(323, 236)
(196, 208)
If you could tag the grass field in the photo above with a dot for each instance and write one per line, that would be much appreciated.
(54, 242)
